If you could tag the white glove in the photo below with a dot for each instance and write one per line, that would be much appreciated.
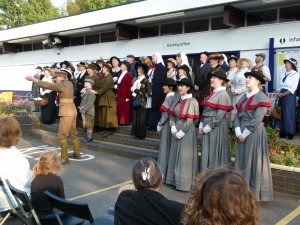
(159, 128)
(173, 130)
(115, 79)
(126, 100)
(133, 94)
(180, 134)
(115, 86)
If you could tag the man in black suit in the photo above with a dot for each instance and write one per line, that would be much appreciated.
(82, 73)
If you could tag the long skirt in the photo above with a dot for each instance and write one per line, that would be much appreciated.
(252, 158)
(48, 111)
(183, 160)
(215, 147)
(288, 122)
(154, 116)
(139, 122)
(108, 117)
(164, 148)
(124, 111)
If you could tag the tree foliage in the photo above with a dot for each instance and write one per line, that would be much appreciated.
(11, 13)
(80, 6)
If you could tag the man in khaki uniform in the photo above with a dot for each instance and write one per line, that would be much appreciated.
(67, 112)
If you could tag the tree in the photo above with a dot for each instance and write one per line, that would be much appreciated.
(80, 6)
(11, 13)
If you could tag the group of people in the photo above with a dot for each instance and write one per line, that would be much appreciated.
(175, 101)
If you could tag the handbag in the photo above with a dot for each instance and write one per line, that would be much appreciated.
(136, 103)
(41, 102)
(276, 112)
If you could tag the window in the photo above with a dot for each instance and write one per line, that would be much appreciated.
(196, 26)
(27, 47)
(38, 46)
(171, 28)
(151, 31)
(217, 23)
(262, 17)
(92, 39)
(108, 37)
(1, 50)
(77, 41)
(289, 14)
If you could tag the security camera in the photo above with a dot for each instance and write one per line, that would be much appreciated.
(45, 42)
(56, 41)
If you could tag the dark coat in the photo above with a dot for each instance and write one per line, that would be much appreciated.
(158, 96)
(201, 76)
(146, 207)
(79, 87)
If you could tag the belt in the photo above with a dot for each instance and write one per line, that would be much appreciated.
(66, 100)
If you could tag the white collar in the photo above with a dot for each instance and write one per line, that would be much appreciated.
(140, 77)
(222, 88)
(251, 93)
(170, 94)
(186, 96)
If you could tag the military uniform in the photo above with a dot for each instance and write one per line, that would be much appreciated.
(67, 114)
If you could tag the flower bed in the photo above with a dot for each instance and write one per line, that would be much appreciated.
(9, 108)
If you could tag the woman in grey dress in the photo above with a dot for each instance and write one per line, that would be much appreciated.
(252, 155)
(213, 126)
(183, 159)
(163, 127)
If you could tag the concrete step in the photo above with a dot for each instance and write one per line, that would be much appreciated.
(117, 138)
(101, 146)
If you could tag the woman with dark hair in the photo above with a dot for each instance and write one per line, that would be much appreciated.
(116, 69)
(140, 89)
(183, 159)
(252, 154)
(146, 205)
(221, 196)
(287, 100)
(14, 166)
(123, 86)
(100, 63)
(163, 127)
(213, 126)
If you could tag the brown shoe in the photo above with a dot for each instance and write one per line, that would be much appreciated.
(107, 134)
(76, 156)
(64, 161)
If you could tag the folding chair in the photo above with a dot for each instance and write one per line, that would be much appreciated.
(31, 218)
(79, 210)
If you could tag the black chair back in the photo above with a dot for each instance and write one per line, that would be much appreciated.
(77, 209)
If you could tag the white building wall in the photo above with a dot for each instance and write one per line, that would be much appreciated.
(248, 40)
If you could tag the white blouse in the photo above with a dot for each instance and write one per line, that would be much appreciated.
(49, 80)
(291, 81)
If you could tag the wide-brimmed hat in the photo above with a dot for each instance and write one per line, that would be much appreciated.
(60, 74)
(205, 53)
(48, 69)
(144, 67)
(173, 61)
(65, 62)
(232, 57)
(185, 81)
(69, 73)
(39, 67)
(90, 81)
(98, 61)
(130, 56)
(245, 59)
(108, 66)
(220, 74)
(215, 56)
(84, 64)
(93, 66)
(185, 68)
(169, 82)
(126, 64)
(292, 61)
(257, 74)
(115, 57)
(262, 55)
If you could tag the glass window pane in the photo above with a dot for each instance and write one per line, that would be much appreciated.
(171, 28)
(27, 47)
(289, 14)
(262, 17)
(1, 51)
(77, 41)
(196, 26)
(108, 37)
(92, 39)
(38, 46)
(217, 23)
(151, 31)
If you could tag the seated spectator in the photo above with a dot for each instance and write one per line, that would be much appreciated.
(13, 164)
(145, 205)
(221, 196)
(46, 179)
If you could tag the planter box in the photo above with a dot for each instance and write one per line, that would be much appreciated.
(25, 122)
(286, 179)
